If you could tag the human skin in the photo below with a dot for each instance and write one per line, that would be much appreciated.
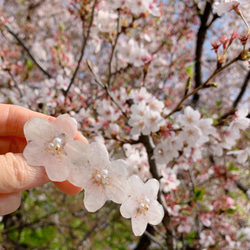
(15, 174)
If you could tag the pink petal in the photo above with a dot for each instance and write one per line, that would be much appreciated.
(38, 129)
(94, 198)
(66, 124)
(155, 213)
(139, 225)
(128, 207)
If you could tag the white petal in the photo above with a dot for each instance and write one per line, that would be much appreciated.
(139, 225)
(57, 170)
(34, 155)
(127, 208)
(78, 153)
(118, 190)
(119, 168)
(155, 213)
(99, 155)
(136, 185)
(94, 198)
(38, 129)
(66, 124)
(151, 188)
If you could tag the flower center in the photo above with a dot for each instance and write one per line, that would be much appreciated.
(57, 144)
(101, 177)
(143, 205)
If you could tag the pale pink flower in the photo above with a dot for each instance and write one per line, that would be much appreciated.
(166, 150)
(51, 144)
(206, 238)
(144, 120)
(169, 180)
(241, 122)
(227, 5)
(190, 117)
(107, 111)
(242, 155)
(191, 135)
(140, 6)
(106, 21)
(142, 205)
(102, 180)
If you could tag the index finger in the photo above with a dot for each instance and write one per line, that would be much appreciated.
(14, 117)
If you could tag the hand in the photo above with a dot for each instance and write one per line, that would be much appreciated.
(15, 174)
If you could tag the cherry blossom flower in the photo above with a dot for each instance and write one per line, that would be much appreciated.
(191, 135)
(242, 155)
(169, 181)
(227, 5)
(241, 121)
(144, 120)
(102, 180)
(142, 205)
(190, 117)
(166, 150)
(139, 6)
(186, 225)
(107, 111)
(106, 21)
(51, 144)
(174, 211)
(206, 238)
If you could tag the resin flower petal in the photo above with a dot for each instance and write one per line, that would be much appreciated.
(51, 144)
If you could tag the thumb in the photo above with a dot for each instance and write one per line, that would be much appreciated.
(16, 175)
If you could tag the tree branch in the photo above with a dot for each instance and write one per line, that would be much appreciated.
(84, 43)
(22, 43)
(199, 48)
(204, 85)
(239, 97)
(148, 144)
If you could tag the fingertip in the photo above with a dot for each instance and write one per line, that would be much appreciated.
(9, 203)
(68, 188)
(79, 136)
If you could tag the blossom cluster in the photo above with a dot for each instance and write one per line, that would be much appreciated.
(52, 145)
(228, 5)
(142, 52)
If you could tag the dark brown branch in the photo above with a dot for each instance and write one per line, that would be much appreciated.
(242, 91)
(241, 187)
(113, 50)
(204, 85)
(84, 43)
(239, 97)
(199, 48)
(149, 145)
(22, 43)
(101, 84)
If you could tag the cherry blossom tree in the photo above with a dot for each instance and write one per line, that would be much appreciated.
(160, 90)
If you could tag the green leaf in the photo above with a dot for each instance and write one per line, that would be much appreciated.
(232, 167)
(198, 194)
(231, 210)
(190, 237)
(218, 103)
(30, 65)
(190, 70)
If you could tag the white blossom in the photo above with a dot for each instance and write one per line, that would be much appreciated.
(51, 144)
(142, 205)
(227, 5)
(102, 180)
